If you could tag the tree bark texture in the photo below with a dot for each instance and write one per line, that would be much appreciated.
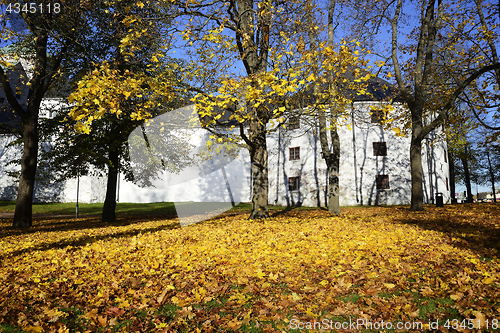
(259, 162)
(254, 49)
(29, 116)
(23, 214)
(108, 210)
(332, 158)
(260, 186)
(417, 191)
(333, 167)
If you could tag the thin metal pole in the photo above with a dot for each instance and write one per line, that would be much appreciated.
(118, 188)
(77, 192)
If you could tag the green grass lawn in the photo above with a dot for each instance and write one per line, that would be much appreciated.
(154, 208)
(69, 208)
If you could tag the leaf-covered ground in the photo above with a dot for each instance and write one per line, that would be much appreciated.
(301, 267)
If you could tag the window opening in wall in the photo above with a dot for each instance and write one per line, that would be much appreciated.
(293, 183)
(447, 186)
(293, 123)
(377, 116)
(379, 149)
(382, 182)
(294, 153)
(445, 158)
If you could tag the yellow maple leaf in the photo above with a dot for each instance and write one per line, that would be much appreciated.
(260, 274)
(488, 280)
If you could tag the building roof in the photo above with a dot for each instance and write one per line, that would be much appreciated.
(378, 89)
(9, 121)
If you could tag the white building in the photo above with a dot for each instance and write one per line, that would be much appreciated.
(91, 188)
(374, 167)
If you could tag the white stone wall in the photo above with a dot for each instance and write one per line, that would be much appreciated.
(90, 190)
(196, 187)
(358, 166)
(8, 185)
(358, 171)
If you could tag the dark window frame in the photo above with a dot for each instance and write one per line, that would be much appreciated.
(293, 123)
(293, 183)
(382, 182)
(380, 148)
(377, 116)
(294, 153)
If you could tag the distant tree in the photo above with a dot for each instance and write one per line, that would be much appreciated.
(51, 44)
(488, 155)
(413, 60)
(129, 82)
(464, 152)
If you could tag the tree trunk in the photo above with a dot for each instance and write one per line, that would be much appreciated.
(332, 159)
(254, 51)
(260, 186)
(29, 117)
(451, 166)
(333, 167)
(492, 175)
(108, 210)
(23, 214)
(417, 190)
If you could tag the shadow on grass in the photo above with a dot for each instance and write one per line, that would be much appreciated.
(85, 224)
(68, 208)
(477, 233)
(286, 210)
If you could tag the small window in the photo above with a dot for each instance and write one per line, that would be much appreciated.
(445, 158)
(293, 123)
(377, 116)
(379, 149)
(293, 183)
(382, 182)
(294, 153)
(447, 185)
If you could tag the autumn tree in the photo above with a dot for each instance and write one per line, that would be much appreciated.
(339, 73)
(131, 82)
(412, 63)
(50, 40)
(266, 40)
